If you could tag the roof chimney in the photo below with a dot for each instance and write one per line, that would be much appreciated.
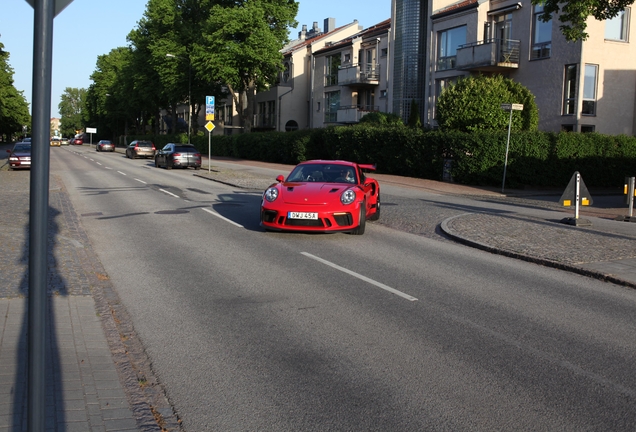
(330, 24)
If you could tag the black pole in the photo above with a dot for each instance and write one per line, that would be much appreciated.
(38, 212)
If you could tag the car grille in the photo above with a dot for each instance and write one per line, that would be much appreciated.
(304, 222)
(343, 219)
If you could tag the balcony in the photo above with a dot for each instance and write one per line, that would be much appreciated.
(359, 75)
(353, 113)
(493, 55)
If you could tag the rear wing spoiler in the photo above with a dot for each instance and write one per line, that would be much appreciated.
(367, 167)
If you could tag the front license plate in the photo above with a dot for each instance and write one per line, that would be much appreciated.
(302, 215)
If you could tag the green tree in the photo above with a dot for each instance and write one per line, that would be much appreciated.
(240, 47)
(72, 110)
(573, 14)
(474, 103)
(14, 109)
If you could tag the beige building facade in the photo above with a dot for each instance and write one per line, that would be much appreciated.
(580, 86)
(287, 106)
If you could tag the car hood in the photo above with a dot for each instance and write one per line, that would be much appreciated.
(311, 193)
(21, 154)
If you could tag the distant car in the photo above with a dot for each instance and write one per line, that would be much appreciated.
(78, 141)
(64, 141)
(27, 139)
(55, 142)
(322, 196)
(178, 156)
(20, 156)
(105, 145)
(139, 148)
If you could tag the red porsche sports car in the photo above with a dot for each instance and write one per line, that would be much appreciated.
(324, 196)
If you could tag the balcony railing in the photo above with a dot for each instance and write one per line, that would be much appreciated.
(359, 74)
(353, 113)
(489, 55)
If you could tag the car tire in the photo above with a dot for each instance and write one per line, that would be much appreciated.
(168, 165)
(132, 155)
(156, 163)
(375, 216)
(363, 221)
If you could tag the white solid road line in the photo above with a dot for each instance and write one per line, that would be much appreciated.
(359, 276)
(221, 217)
(169, 193)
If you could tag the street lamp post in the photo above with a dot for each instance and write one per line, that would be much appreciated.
(189, 92)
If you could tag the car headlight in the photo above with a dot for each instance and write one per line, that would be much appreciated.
(271, 194)
(348, 197)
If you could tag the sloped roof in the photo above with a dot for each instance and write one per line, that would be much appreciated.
(368, 32)
(308, 42)
(459, 6)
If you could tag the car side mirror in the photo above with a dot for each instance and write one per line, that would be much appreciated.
(280, 178)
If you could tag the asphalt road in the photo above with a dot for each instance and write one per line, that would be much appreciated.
(249, 330)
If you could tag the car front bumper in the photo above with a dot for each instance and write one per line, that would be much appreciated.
(343, 219)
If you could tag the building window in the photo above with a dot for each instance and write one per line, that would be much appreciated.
(542, 35)
(331, 69)
(588, 128)
(291, 125)
(567, 128)
(589, 90)
(382, 93)
(447, 43)
(384, 52)
(569, 90)
(332, 103)
(286, 72)
(616, 28)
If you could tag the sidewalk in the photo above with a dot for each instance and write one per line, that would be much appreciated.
(98, 377)
(532, 232)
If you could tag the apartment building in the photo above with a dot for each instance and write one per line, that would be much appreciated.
(351, 77)
(287, 105)
(580, 86)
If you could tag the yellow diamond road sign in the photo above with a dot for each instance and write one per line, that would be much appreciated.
(209, 126)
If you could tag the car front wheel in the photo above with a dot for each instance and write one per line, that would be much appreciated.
(363, 221)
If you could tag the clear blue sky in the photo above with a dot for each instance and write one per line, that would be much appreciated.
(89, 28)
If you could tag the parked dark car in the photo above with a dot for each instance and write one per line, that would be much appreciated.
(20, 156)
(105, 145)
(138, 148)
(178, 156)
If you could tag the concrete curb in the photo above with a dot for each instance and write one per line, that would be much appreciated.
(451, 233)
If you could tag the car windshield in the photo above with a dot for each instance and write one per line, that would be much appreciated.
(330, 173)
(185, 149)
(105, 142)
(144, 144)
(22, 147)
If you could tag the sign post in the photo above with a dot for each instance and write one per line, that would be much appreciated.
(511, 108)
(576, 193)
(44, 13)
(210, 127)
(91, 131)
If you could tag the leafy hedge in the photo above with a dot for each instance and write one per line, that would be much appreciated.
(538, 159)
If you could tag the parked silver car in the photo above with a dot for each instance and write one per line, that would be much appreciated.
(138, 148)
(178, 156)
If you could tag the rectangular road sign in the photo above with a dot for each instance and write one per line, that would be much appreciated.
(209, 107)
(512, 107)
